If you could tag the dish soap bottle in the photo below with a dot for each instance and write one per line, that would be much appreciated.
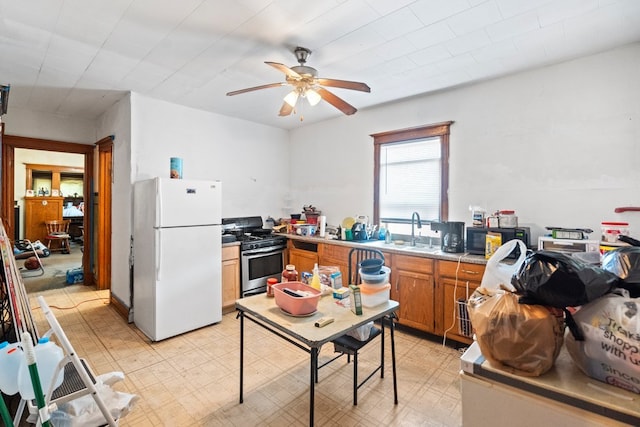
(387, 236)
(315, 280)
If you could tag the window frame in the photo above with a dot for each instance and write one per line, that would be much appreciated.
(441, 130)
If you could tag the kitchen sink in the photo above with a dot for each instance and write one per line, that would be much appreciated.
(419, 247)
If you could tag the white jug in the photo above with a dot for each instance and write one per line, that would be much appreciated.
(48, 355)
(10, 358)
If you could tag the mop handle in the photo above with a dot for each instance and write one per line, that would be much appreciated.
(4, 411)
(30, 356)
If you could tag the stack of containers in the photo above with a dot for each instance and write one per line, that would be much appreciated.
(374, 286)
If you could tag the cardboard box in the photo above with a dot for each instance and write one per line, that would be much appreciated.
(356, 299)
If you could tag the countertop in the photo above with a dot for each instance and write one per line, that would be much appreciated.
(423, 251)
(564, 383)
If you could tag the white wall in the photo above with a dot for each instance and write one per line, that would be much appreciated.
(21, 122)
(560, 145)
(250, 159)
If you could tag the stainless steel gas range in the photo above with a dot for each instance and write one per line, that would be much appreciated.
(261, 252)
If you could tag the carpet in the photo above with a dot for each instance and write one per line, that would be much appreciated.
(55, 270)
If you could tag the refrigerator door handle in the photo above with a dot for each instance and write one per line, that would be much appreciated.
(159, 209)
(158, 254)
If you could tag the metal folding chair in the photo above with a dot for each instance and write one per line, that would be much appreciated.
(350, 346)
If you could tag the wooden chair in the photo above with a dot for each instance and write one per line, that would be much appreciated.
(350, 346)
(58, 232)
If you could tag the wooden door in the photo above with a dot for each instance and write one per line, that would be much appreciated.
(103, 224)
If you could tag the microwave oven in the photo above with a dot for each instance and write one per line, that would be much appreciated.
(477, 238)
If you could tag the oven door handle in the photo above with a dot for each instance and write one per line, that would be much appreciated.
(262, 251)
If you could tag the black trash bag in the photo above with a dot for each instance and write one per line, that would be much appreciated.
(558, 280)
(624, 262)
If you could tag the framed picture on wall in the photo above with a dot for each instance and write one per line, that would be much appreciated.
(55, 193)
(30, 193)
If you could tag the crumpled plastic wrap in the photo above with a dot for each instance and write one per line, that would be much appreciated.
(624, 262)
(520, 338)
(84, 412)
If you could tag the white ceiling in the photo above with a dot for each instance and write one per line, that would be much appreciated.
(77, 57)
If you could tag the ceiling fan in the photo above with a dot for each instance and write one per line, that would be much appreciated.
(307, 84)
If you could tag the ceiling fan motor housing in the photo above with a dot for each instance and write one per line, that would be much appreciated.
(302, 53)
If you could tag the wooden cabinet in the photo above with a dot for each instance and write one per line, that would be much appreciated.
(456, 282)
(303, 255)
(335, 256)
(413, 286)
(37, 210)
(230, 277)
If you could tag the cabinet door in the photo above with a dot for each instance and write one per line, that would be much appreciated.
(37, 211)
(456, 323)
(303, 260)
(415, 293)
(335, 256)
(230, 277)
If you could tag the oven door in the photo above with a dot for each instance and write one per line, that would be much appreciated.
(257, 266)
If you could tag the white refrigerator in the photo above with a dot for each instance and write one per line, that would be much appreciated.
(176, 256)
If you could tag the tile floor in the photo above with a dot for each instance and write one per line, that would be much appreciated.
(193, 379)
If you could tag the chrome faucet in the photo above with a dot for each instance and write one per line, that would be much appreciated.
(414, 216)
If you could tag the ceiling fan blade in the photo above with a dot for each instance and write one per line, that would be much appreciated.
(345, 84)
(250, 89)
(285, 110)
(340, 104)
(288, 71)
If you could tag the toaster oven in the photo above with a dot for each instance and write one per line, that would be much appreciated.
(477, 238)
(568, 246)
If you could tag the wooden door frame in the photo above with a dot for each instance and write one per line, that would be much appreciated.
(103, 214)
(9, 144)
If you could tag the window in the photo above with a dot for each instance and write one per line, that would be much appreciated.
(411, 175)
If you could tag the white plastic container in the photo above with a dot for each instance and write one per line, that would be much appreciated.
(48, 355)
(374, 295)
(10, 358)
(379, 279)
(611, 230)
(507, 219)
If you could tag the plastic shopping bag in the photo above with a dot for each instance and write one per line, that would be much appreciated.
(520, 338)
(624, 262)
(610, 351)
(497, 274)
(558, 280)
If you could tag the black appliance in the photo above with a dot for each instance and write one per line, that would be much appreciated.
(261, 252)
(477, 238)
(452, 238)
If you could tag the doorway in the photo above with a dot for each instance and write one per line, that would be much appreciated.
(9, 145)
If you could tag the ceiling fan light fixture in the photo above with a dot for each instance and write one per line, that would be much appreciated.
(291, 98)
(313, 97)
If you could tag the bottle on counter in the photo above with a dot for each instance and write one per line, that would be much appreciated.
(315, 279)
(290, 274)
(387, 236)
(270, 282)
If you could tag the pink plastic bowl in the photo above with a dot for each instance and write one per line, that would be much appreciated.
(297, 306)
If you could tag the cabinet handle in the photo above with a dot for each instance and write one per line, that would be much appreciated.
(470, 272)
